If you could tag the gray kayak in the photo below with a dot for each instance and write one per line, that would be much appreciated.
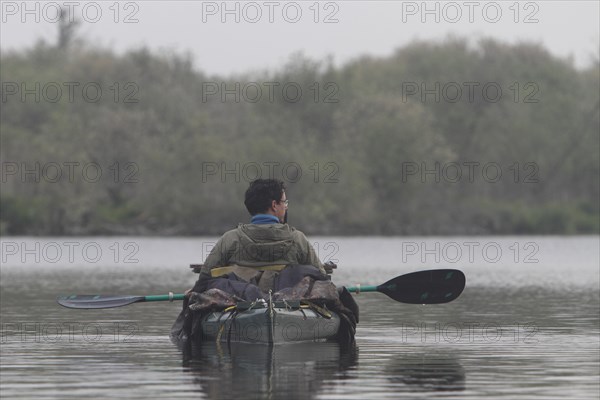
(271, 323)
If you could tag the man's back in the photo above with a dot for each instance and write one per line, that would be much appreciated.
(254, 245)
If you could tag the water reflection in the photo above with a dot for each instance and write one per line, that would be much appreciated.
(238, 370)
(422, 372)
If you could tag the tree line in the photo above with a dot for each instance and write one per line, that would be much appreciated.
(438, 138)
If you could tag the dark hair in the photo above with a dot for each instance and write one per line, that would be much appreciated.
(261, 193)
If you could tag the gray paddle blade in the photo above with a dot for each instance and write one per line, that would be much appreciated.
(91, 301)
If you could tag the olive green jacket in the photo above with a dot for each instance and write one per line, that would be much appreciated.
(254, 245)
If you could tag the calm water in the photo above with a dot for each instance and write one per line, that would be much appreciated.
(526, 326)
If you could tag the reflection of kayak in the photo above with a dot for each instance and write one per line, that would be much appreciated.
(245, 370)
(270, 322)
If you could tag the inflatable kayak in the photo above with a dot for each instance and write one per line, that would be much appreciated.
(271, 323)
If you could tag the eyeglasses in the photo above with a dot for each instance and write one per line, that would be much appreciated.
(286, 202)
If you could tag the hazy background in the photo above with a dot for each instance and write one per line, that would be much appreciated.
(152, 117)
(344, 29)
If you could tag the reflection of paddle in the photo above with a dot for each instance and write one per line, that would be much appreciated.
(431, 372)
(423, 287)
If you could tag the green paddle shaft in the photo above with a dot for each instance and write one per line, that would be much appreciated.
(164, 297)
(359, 288)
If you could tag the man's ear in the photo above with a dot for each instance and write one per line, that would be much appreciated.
(273, 203)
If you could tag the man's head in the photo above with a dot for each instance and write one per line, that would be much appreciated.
(267, 196)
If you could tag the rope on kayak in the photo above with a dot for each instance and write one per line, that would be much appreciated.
(271, 316)
(232, 312)
(271, 304)
(322, 311)
(303, 313)
(287, 305)
(232, 317)
(220, 333)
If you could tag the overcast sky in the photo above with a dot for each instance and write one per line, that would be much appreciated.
(262, 34)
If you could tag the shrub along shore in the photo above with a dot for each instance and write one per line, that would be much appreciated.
(437, 138)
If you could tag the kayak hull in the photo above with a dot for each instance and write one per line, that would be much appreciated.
(270, 325)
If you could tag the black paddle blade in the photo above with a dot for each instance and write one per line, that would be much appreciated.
(425, 287)
(87, 301)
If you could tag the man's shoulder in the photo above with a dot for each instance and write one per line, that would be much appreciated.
(231, 234)
(297, 235)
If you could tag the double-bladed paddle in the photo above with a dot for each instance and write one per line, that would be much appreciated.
(422, 287)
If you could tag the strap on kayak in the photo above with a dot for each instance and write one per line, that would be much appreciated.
(220, 333)
(318, 309)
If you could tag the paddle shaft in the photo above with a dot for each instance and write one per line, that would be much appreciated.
(180, 296)
(360, 288)
(164, 297)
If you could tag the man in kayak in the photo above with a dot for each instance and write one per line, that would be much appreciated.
(267, 239)
(265, 260)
